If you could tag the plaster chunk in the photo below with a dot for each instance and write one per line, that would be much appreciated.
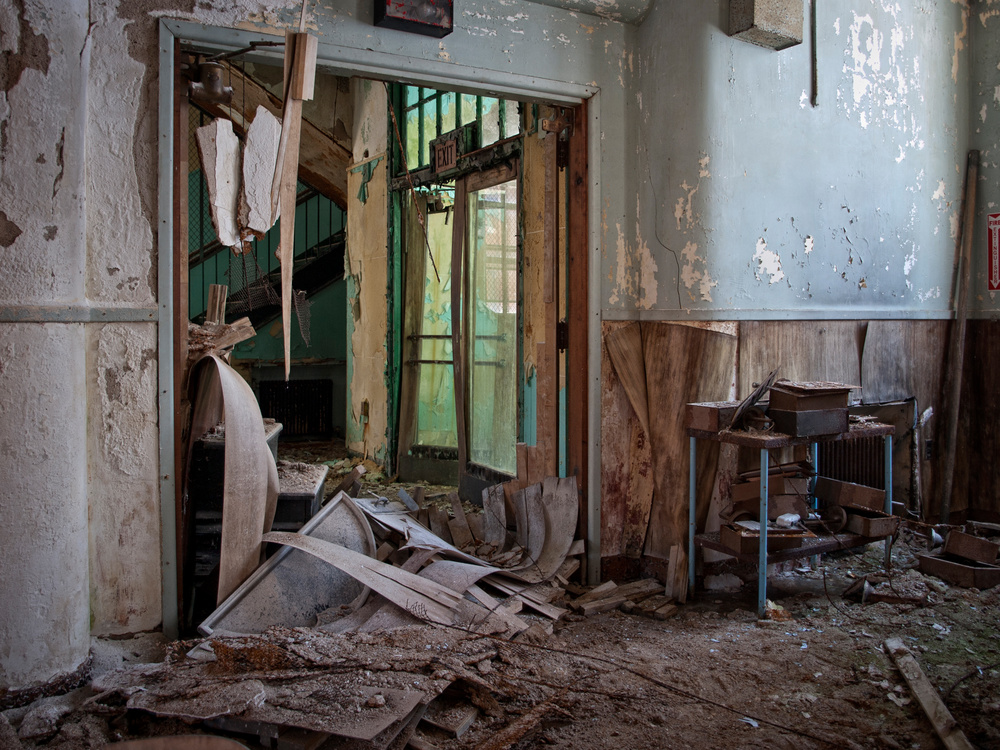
(220, 160)
(259, 157)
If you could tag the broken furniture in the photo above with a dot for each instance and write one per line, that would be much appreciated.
(765, 442)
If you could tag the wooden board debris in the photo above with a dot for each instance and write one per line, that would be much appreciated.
(930, 701)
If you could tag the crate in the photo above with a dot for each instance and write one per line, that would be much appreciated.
(961, 573)
(297, 506)
(745, 541)
(776, 485)
(871, 524)
(809, 423)
(711, 416)
(849, 495)
(969, 547)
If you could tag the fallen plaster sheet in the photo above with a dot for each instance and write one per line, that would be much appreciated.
(250, 485)
(419, 596)
(259, 157)
(393, 516)
(293, 587)
(220, 160)
(352, 685)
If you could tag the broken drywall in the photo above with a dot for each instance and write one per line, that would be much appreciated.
(122, 488)
(753, 202)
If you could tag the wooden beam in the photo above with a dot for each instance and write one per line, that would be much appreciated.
(956, 342)
(940, 717)
(323, 162)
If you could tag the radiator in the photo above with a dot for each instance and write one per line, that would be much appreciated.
(304, 407)
(860, 461)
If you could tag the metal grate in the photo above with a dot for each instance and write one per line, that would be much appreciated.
(860, 461)
(303, 407)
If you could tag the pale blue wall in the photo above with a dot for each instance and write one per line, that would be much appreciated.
(749, 202)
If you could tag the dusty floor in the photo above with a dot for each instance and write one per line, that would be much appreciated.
(712, 676)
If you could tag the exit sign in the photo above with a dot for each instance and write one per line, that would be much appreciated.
(993, 250)
(445, 154)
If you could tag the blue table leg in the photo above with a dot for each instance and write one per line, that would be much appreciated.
(762, 553)
(814, 504)
(888, 495)
(692, 491)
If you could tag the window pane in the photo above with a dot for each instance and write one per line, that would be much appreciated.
(493, 327)
(448, 111)
(491, 121)
(512, 124)
(412, 126)
(468, 108)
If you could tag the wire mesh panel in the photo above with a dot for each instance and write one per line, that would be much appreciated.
(493, 327)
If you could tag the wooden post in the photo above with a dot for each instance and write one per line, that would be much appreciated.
(956, 344)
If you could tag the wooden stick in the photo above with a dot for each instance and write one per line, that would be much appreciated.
(956, 347)
(940, 717)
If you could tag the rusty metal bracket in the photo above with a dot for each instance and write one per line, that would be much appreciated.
(562, 123)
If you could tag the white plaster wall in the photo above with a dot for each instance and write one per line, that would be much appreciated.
(42, 138)
(44, 623)
(122, 489)
(44, 615)
(753, 203)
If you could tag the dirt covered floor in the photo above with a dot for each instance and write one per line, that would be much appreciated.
(711, 676)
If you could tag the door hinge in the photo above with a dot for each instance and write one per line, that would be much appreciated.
(562, 335)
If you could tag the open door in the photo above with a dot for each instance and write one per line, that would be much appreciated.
(485, 325)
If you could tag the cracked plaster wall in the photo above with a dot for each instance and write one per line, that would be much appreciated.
(78, 196)
(751, 201)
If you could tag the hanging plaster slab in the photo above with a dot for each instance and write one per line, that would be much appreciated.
(219, 149)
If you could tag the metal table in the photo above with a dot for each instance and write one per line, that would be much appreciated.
(765, 442)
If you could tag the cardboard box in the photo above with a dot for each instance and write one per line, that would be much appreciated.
(745, 542)
(969, 547)
(809, 423)
(711, 416)
(849, 495)
(962, 573)
(874, 525)
(776, 485)
(788, 397)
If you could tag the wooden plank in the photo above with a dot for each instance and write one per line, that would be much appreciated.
(461, 534)
(347, 483)
(604, 590)
(955, 359)
(439, 524)
(578, 375)
(803, 350)
(624, 347)
(684, 364)
(183, 513)
(459, 322)
(601, 605)
(930, 701)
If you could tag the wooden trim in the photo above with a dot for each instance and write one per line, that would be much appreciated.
(458, 318)
(577, 352)
(180, 314)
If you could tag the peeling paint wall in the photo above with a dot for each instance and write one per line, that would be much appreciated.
(78, 223)
(752, 202)
(985, 36)
(367, 266)
(122, 495)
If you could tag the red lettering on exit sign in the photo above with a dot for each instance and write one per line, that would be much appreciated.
(993, 245)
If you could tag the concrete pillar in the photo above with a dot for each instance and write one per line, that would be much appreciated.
(44, 598)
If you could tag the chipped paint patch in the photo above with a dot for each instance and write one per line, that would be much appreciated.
(768, 262)
(625, 277)
(648, 286)
(809, 244)
(694, 272)
(881, 84)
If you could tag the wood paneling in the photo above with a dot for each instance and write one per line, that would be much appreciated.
(683, 364)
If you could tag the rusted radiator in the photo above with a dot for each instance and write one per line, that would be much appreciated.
(304, 407)
(860, 461)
